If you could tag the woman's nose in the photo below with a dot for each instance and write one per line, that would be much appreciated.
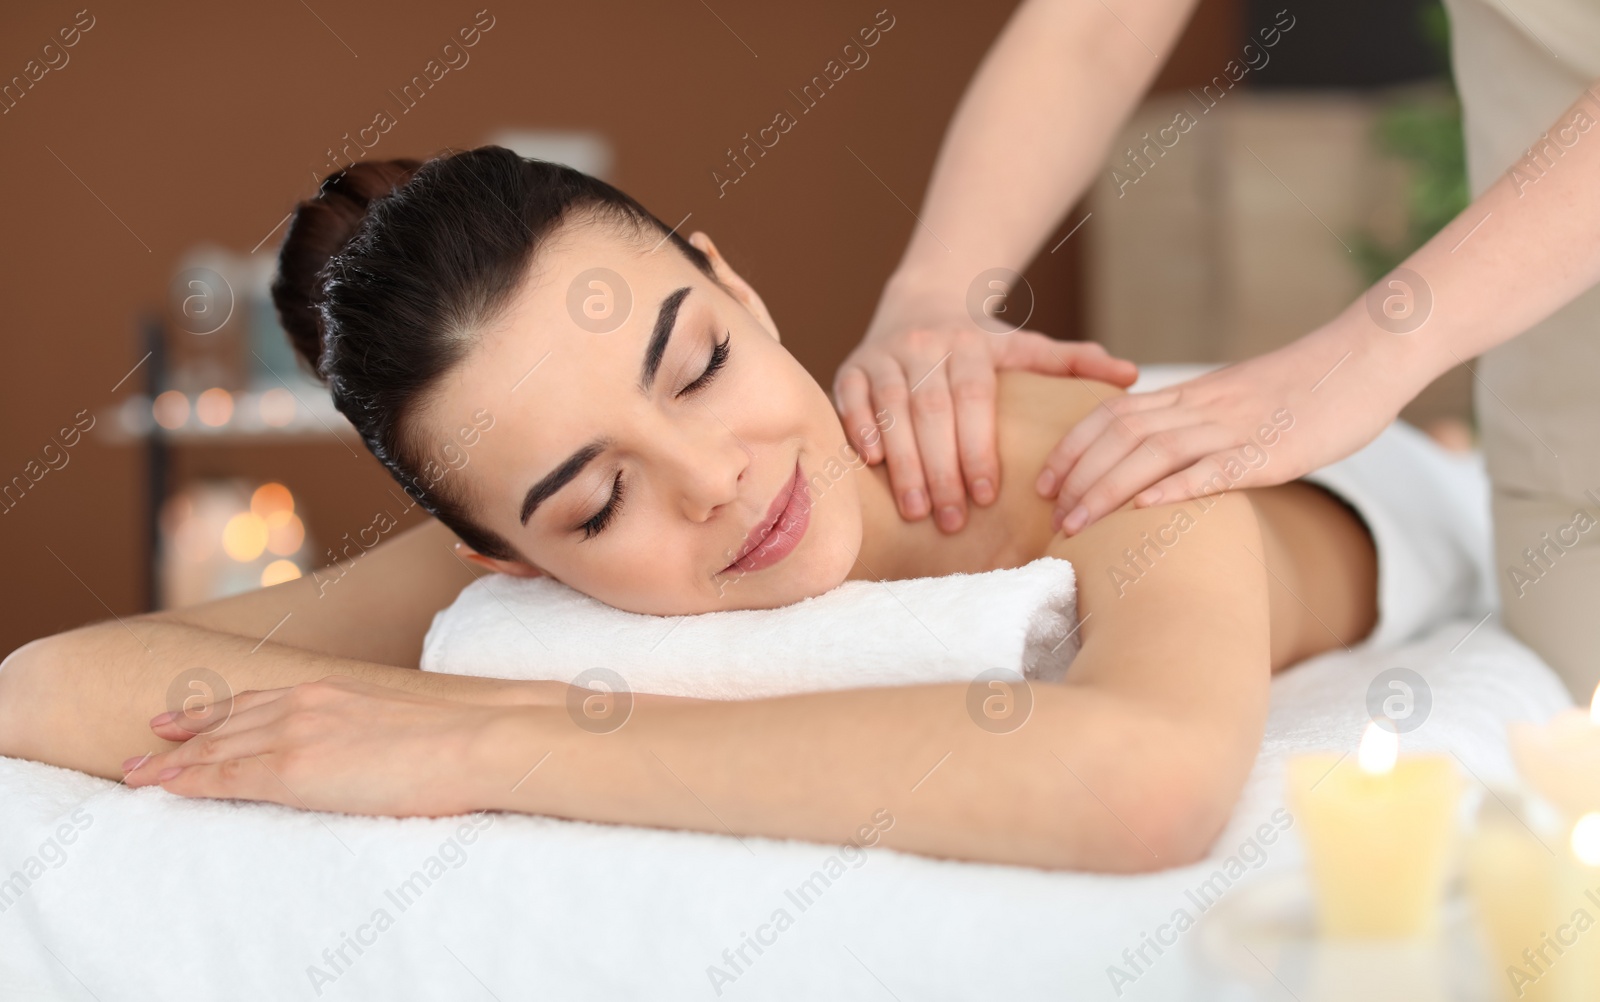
(708, 465)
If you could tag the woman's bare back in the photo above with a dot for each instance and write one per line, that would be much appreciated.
(1318, 554)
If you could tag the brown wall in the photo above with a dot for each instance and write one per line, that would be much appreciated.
(175, 123)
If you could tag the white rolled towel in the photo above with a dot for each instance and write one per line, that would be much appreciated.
(862, 633)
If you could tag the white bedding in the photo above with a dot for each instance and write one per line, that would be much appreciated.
(161, 897)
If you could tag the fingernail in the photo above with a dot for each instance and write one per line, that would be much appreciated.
(1046, 482)
(915, 501)
(128, 765)
(1075, 521)
(1055, 520)
(167, 774)
(163, 718)
(1148, 498)
(983, 490)
(950, 518)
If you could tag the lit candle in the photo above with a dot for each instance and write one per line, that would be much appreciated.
(1513, 877)
(1561, 759)
(1580, 891)
(1378, 834)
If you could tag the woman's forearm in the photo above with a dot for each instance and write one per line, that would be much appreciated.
(1062, 75)
(1135, 763)
(1091, 780)
(83, 699)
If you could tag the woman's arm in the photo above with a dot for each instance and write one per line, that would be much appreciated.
(83, 699)
(1133, 764)
(375, 607)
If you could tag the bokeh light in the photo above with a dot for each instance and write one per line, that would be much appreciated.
(245, 536)
(214, 407)
(278, 572)
(269, 499)
(285, 533)
(277, 407)
(170, 409)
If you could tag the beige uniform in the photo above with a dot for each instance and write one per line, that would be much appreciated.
(1518, 65)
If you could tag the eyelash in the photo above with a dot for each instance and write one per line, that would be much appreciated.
(597, 525)
(719, 357)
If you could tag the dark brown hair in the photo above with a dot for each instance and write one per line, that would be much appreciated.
(387, 277)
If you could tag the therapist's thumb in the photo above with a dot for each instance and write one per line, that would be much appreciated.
(1030, 350)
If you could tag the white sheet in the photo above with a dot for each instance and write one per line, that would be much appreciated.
(161, 897)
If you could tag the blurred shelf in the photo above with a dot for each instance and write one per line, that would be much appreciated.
(275, 415)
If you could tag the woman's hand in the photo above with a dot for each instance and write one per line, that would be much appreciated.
(1252, 424)
(338, 744)
(919, 391)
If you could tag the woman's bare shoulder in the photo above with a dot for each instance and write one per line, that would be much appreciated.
(1173, 588)
(1029, 402)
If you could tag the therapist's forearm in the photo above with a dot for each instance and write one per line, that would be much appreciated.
(1524, 248)
(1034, 124)
(817, 766)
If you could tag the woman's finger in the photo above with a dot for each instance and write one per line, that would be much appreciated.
(972, 388)
(852, 392)
(235, 778)
(249, 733)
(933, 419)
(1167, 451)
(890, 395)
(183, 724)
(260, 714)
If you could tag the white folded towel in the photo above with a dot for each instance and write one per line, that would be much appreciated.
(862, 633)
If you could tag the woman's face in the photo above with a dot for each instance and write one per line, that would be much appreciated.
(647, 427)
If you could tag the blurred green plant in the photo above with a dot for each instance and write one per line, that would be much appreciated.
(1424, 131)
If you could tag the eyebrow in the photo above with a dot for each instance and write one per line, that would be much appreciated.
(655, 351)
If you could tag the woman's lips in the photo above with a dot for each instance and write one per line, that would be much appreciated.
(777, 537)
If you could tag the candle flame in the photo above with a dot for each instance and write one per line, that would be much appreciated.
(1586, 839)
(1594, 706)
(1380, 747)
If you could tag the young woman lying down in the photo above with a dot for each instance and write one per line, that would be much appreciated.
(682, 463)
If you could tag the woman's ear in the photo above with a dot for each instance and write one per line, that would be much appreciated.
(515, 568)
(737, 287)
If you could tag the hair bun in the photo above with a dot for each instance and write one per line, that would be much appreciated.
(321, 227)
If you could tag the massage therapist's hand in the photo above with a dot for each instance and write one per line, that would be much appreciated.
(338, 744)
(1252, 424)
(919, 391)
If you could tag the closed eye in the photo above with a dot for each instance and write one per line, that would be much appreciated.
(596, 525)
(719, 357)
